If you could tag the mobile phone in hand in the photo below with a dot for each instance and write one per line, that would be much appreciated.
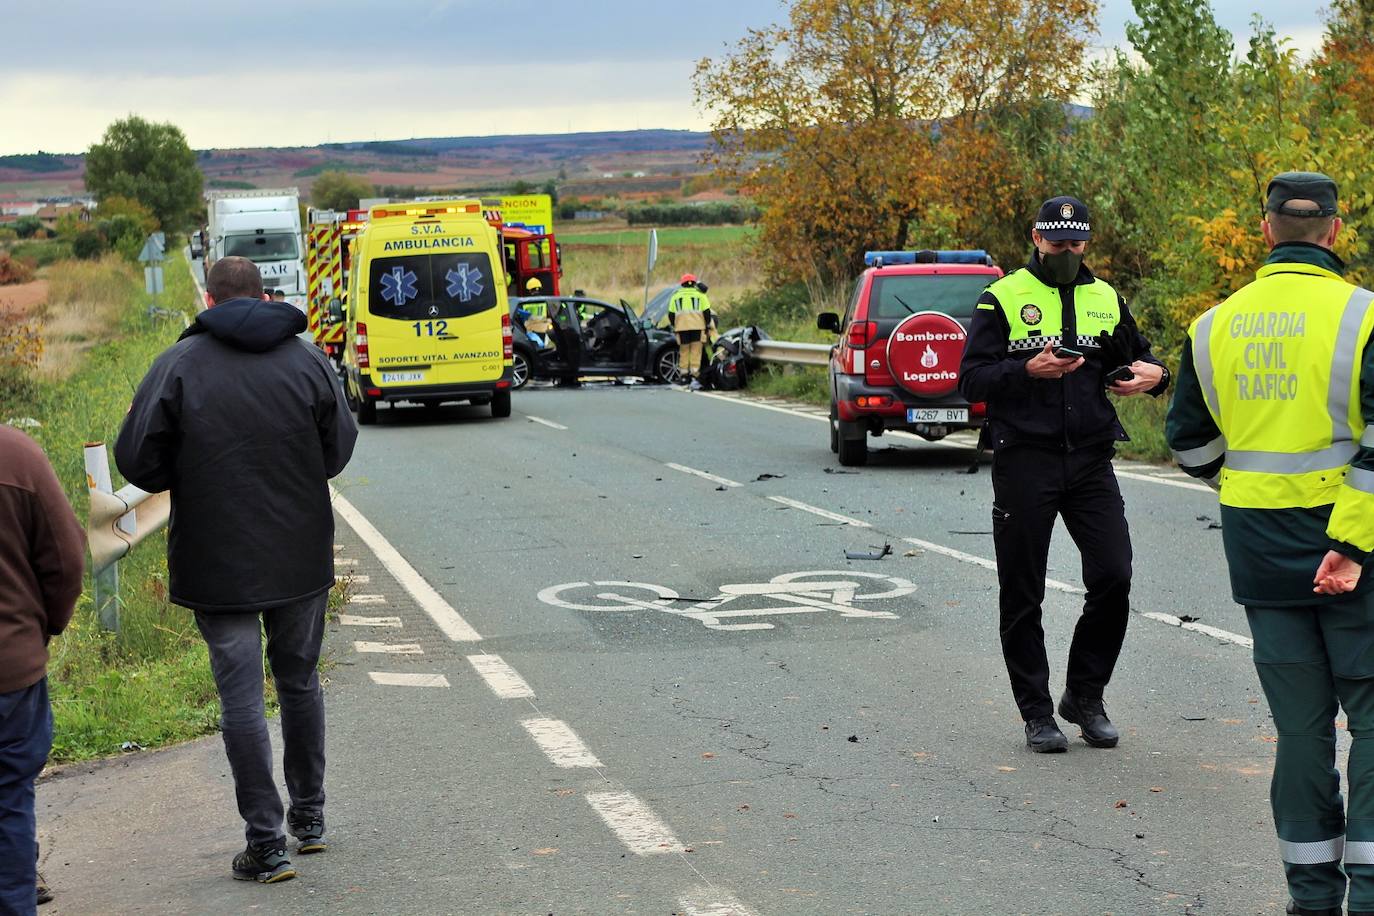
(1067, 353)
(1119, 374)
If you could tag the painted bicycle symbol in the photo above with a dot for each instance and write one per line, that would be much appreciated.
(812, 592)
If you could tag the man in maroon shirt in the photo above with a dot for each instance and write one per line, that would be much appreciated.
(42, 552)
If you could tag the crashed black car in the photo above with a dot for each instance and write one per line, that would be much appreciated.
(573, 336)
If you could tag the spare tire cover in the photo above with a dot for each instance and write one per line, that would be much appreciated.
(923, 353)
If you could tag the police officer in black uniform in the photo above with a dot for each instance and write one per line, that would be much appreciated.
(1046, 345)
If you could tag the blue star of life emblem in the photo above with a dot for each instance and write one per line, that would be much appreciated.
(398, 286)
(464, 282)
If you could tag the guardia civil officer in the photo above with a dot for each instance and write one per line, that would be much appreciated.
(689, 312)
(1275, 407)
(1042, 344)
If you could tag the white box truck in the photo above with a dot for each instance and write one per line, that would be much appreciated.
(265, 227)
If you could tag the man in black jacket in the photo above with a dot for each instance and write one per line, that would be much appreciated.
(1046, 344)
(245, 424)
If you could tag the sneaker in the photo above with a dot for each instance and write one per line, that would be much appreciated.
(695, 385)
(1091, 718)
(44, 893)
(1044, 737)
(309, 829)
(264, 864)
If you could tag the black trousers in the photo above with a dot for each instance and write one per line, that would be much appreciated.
(1031, 486)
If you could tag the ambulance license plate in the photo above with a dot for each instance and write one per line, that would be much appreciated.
(937, 414)
(388, 377)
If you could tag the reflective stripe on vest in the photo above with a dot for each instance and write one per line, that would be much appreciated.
(1270, 355)
(1359, 852)
(1034, 312)
(1315, 853)
(1203, 455)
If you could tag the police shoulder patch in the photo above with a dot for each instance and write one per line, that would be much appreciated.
(1030, 314)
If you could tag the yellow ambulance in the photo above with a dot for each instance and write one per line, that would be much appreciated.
(427, 316)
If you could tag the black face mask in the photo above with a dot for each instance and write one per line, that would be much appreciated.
(1061, 268)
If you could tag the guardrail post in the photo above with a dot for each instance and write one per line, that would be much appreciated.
(104, 580)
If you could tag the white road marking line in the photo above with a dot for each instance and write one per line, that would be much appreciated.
(560, 743)
(367, 599)
(988, 564)
(834, 517)
(634, 823)
(431, 602)
(503, 680)
(338, 547)
(1153, 478)
(388, 648)
(549, 423)
(712, 901)
(1215, 633)
(399, 679)
(345, 561)
(352, 620)
(724, 481)
(356, 579)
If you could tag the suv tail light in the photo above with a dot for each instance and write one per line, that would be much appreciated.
(861, 333)
(360, 345)
(978, 409)
(507, 348)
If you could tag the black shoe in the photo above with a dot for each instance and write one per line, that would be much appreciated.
(1044, 737)
(44, 894)
(1295, 910)
(309, 829)
(1091, 718)
(264, 864)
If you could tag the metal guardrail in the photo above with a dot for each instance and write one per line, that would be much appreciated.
(117, 521)
(792, 353)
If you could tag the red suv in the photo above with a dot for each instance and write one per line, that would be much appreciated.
(896, 365)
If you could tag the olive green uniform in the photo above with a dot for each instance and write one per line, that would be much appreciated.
(1274, 405)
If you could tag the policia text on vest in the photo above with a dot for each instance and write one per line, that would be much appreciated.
(1274, 407)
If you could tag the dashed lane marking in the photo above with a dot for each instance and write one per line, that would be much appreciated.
(712, 901)
(823, 513)
(1215, 633)
(956, 438)
(402, 679)
(560, 743)
(723, 481)
(367, 599)
(356, 579)
(503, 680)
(1204, 629)
(431, 602)
(549, 423)
(388, 648)
(987, 564)
(634, 823)
(352, 620)
(345, 561)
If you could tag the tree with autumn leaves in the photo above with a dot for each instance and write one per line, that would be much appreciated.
(863, 124)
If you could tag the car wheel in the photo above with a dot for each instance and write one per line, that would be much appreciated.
(834, 427)
(852, 445)
(367, 411)
(500, 404)
(666, 367)
(519, 369)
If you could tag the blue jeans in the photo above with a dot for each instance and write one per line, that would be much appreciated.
(25, 739)
(294, 632)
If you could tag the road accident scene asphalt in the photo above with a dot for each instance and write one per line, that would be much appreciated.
(612, 667)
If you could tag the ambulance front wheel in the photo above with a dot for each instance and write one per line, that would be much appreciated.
(500, 404)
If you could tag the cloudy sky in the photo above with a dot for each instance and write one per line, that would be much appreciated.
(301, 72)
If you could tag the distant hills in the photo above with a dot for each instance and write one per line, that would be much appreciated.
(640, 162)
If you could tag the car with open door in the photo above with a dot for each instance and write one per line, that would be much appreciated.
(568, 337)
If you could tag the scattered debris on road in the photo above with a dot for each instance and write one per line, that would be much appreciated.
(838, 471)
(767, 476)
(875, 554)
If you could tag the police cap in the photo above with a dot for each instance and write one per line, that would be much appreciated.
(1064, 219)
(1313, 186)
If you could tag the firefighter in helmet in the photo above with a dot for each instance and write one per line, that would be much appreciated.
(689, 313)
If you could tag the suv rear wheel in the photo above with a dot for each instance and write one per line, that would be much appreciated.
(834, 427)
(853, 444)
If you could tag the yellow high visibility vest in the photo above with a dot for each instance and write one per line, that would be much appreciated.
(1279, 366)
(1034, 312)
